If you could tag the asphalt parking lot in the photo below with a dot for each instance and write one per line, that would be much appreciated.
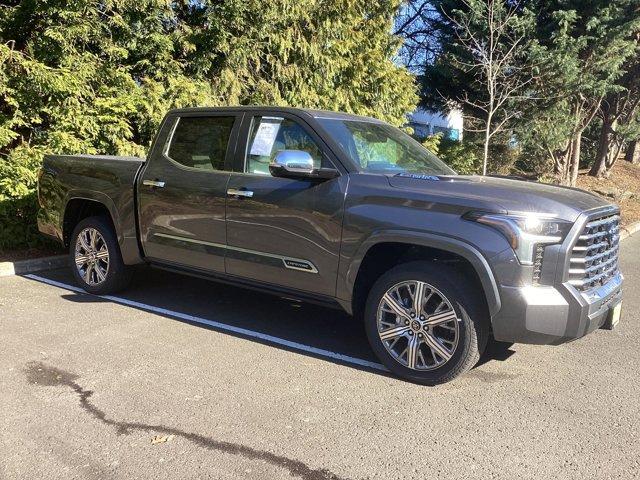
(183, 378)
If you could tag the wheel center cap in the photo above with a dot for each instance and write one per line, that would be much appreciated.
(415, 325)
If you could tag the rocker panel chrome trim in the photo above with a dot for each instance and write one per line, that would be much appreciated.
(289, 263)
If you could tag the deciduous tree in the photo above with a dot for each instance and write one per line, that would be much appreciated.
(486, 56)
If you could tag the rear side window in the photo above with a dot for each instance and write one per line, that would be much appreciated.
(201, 142)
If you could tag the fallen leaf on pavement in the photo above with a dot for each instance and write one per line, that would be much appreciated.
(161, 439)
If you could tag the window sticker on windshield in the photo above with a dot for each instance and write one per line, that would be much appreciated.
(265, 136)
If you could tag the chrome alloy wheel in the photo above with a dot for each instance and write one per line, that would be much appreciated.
(92, 256)
(418, 325)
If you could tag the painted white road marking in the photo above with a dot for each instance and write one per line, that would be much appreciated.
(218, 325)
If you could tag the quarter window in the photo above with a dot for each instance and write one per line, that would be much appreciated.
(201, 142)
(269, 135)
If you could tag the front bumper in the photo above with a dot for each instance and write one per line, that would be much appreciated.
(550, 315)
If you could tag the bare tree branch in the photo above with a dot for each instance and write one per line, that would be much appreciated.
(487, 30)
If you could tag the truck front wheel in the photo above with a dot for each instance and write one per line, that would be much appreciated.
(426, 322)
(95, 257)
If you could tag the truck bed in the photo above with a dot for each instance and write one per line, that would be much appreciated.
(107, 179)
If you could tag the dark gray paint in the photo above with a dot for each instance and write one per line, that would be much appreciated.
(490, 193)
(190, 205)
(104, 179)
(291, 217)
(331, 224)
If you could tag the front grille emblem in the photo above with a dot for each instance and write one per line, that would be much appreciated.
(609, 239)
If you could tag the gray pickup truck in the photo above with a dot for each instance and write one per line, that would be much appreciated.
(350, 212)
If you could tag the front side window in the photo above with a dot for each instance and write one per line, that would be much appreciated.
(201, 142)
(380, 148)
(269, 135)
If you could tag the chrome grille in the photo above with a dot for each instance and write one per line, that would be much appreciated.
(594, 258)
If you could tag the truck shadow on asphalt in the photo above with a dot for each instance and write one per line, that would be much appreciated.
(313, 326)
(40, 374)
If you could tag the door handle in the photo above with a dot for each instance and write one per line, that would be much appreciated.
(153, 183)
(234, 192)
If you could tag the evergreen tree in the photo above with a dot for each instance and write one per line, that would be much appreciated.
(97, 77)
(328, 54)
(576, 54)
(582, 50)
(620, 117)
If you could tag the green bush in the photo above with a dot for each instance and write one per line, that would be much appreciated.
(464, 157)
(18, 199)
(18, 223)
(97, 77)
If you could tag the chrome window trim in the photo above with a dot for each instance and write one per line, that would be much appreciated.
(167, 144)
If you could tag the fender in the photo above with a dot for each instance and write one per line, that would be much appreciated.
(98, 197)
(128, 244)
(441, 242)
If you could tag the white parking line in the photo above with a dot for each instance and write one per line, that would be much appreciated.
(218, 325)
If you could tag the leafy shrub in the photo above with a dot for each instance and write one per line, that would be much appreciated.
(97, 77)
(463, 157)
(18, 199)
(503, 158)
(18, 223)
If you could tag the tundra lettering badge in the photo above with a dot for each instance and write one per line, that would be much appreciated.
(299, 265)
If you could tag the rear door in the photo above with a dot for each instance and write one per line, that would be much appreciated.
(281, 231)
(182, 190)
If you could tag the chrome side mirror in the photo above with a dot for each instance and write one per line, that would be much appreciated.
(299, 164)
(292, 163)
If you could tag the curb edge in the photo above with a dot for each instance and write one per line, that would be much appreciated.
(22, 267)
(629, 230)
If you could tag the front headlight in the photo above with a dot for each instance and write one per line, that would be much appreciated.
(524, 231)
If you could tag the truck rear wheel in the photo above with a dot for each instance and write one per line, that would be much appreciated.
(95, 257)
(426, 322)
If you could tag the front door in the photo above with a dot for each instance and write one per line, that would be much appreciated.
(182, 190)
(281, 231)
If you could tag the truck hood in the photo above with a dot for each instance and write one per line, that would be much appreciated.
(494, 193)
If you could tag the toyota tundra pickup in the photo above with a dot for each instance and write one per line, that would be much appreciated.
(350, 212)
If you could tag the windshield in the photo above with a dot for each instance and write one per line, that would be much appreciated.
(381, 148)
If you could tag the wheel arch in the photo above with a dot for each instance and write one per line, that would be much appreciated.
(78, 207)
(386, 249)
(80, 204)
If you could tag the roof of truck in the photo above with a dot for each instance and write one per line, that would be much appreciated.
(296, 111)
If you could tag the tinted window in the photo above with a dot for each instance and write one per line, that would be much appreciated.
(201, 142)
(269, 135)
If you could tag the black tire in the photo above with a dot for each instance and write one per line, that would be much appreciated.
(466, 301)
(118, 275)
